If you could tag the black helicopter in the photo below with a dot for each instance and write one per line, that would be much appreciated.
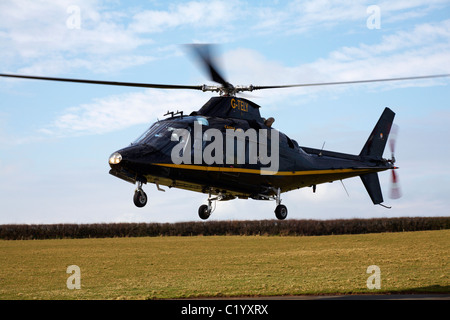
(189, 152)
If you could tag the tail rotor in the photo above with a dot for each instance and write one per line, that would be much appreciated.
(395, 192)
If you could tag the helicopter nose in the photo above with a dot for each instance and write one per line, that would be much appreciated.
(115, 158)
(132, 157)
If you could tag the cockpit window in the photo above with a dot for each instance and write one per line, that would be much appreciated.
(162, 131)
(148, 132)
(201, 120)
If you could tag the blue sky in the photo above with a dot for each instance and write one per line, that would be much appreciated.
(56, 138)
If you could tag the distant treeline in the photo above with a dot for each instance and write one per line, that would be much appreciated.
(209, 228)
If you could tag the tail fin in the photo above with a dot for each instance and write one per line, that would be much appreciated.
(376, 142)
(372, 184)
(373, 149)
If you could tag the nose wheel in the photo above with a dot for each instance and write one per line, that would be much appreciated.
(140, 197)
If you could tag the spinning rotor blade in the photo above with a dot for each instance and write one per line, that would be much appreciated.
(205, 56)
(393, 139)
(349, 82)
(215, 76)
(395, 186)
(203, 53)
(111, 83)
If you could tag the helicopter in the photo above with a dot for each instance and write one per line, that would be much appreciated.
(222, 149)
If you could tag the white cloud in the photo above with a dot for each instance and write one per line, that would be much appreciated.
(304, 16)
(424, 50)
(193, 13)
(422, 36)
(59, 64)
(35, 36)
(121, 111)
(425, 53)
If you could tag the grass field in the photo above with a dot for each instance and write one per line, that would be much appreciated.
(175, 267)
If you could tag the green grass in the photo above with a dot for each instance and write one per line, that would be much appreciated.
(176, 267)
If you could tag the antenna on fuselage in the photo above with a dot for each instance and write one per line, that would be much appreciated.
(320, 153)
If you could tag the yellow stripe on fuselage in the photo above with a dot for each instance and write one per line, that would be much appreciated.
(262, 171)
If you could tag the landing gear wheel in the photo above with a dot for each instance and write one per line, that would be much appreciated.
(140, 198)
(204, 212)
(281, 212)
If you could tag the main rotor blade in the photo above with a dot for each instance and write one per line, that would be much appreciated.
(216, 77)
(110, 83)
(203, 52)
(350, 82)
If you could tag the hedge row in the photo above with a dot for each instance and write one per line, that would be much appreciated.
(261, 227)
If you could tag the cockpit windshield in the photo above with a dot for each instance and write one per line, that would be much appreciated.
(162, 131)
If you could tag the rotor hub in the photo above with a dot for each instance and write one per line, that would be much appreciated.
(229, 90)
